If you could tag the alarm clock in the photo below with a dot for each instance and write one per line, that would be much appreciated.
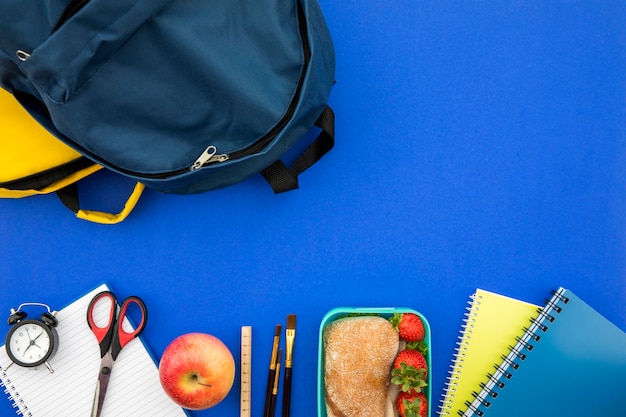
(32, 342)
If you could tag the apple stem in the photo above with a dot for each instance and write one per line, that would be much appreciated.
(195, 378)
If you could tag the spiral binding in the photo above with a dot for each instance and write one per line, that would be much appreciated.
(12, 394)
(517, 354)
(473, 408)
(494, 381)
(460, 350)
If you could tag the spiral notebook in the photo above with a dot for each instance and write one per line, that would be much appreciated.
(134, 388)
(570, 362)
(491, 324)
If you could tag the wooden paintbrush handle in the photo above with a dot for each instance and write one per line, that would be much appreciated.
(287, 393)
(271, 406)
(268, 392)
(275, 386)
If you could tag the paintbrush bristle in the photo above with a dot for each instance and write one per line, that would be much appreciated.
(291, 321)
(279, 328)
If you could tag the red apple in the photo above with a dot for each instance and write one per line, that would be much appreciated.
(197, 371)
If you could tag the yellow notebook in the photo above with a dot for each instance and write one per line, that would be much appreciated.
(491, 325)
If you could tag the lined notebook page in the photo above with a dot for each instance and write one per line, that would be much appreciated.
(134, 388)
(492, 323)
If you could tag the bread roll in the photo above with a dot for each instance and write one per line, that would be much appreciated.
(358, 356)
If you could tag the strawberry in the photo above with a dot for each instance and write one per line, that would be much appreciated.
(412, 404)
(409, 326)
(409, 371)
(411, 358)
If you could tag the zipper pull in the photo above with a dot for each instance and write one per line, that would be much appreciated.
(22, 55)
(209, 155)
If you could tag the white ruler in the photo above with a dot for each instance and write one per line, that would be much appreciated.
(246, 371)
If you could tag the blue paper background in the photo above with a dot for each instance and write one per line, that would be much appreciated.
(479, 144)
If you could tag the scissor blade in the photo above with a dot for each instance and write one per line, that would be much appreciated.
(95, 409)
(101, 386)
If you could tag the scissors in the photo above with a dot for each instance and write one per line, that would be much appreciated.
(112, 338)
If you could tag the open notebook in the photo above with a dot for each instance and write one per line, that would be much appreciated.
(490, 327)
(134, 388)
(570, 362)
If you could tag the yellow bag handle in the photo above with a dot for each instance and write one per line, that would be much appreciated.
(100, 216)
(110, 218)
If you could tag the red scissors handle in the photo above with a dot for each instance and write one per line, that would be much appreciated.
(103, 334)
(122, 337)
(113, 336)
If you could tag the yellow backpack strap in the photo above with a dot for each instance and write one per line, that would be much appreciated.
(69, 197)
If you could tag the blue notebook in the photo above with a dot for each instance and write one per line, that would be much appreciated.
(570, 362)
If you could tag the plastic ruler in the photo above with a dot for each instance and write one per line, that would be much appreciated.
(246, 371)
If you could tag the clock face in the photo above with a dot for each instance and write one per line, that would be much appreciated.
(30, 343)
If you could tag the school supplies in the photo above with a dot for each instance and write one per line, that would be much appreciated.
(290, 336)
(272, 404)
(134, 389)
(491, 325)
(160, 92)
(271, 375)
(570, 362)
(245, 406)
(112, 337)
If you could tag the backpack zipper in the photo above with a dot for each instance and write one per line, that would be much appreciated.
(208, 156)
(45, 178)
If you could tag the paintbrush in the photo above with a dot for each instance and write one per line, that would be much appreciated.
(272, 404)
(290, 336)
(272, 371)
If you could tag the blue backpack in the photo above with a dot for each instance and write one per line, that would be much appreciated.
(183, 96)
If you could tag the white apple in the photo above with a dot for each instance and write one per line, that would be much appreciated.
(197, 371)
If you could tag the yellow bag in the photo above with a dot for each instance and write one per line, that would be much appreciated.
(33, 162)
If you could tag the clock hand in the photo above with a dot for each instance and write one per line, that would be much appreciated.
(30, 341)
(34, 341)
